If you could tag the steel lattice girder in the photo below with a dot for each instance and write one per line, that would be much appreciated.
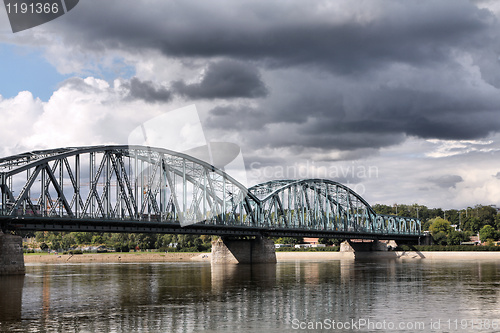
(144, 184)
(320, 204)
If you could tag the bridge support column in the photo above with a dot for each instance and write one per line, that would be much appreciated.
(376, 245)
(243, 251)
(11, 255)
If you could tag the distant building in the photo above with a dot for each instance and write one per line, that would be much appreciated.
(312, 241)
(474, 240)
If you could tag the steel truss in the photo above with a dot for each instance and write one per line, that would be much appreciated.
(319, 204)
(137, 187)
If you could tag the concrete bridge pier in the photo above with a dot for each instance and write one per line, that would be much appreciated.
(227, 250)
(11, 255)
(376, 245)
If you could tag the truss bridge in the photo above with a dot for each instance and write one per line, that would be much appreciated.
(143, 189)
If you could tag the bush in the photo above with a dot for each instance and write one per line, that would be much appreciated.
(122, 248)
(309, 249)
(168, 249)
(447, 248)
(73, 252)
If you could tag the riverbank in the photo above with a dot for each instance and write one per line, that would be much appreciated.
(280, 256)
(116, 257)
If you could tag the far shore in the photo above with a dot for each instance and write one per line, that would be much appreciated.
(132, 257)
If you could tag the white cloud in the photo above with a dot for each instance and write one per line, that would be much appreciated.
(89, 113)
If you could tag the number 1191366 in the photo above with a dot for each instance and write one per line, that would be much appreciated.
(32, 8)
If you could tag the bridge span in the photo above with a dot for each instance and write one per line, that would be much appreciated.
(143, 189)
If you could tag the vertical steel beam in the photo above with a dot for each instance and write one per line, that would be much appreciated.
(136, 185)
(61, 186)
(223, 199)
(43, 193)
(184, 189)
(92, 184)
(3, 209)
(77, 187)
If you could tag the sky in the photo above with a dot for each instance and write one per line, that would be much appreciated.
(398, 99)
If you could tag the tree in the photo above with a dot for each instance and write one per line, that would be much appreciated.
(487, 232)
(83, 237)
(440, 225)
(486, 214)
(330, 241)
(457, 237)
(56, 242)
(440, 238)
(67, 241)
(146, 241)
(497, 221)
(97, 239)
(39, 236)
(472, 223)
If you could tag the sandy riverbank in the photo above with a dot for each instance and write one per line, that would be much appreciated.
(116, 257)
(280, 256)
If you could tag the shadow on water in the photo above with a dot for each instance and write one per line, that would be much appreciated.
(227, 277)
(11, 294)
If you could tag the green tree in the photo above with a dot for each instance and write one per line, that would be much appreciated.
(146, 241)
(439, 224)
(44, 246)
(487, 232)
(440, 238)
(40, 236)
(97, 239)
(83, 237)
(457, 237)
(497, 221)
(56, 242)
(163, 241)
(330, 241)
(67, 241)
(472, 223)
(486, 214)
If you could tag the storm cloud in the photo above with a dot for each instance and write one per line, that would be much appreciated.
(352, 76)
(413, 86)
(147, 91)
(225, 79)
(446, 181)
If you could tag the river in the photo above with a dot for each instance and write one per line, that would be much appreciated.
(341, 296)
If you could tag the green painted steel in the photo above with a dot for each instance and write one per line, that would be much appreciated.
(153, 186)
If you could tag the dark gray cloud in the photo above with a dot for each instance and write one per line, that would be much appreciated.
(497, 175)
(147, 91)
(345, 76)
(446, 181)
(225, 79)
(283, 35)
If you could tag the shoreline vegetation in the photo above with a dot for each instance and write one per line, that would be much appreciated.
(139, 257)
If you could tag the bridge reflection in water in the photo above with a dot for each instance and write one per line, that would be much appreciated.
(144, 189)
(194, 297)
